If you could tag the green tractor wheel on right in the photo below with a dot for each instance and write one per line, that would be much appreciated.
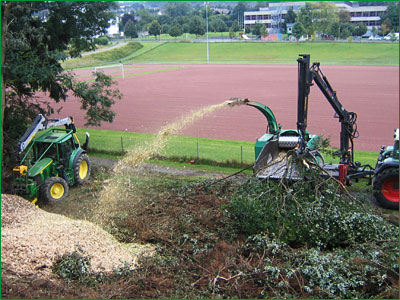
(386, 188)
(54, 189)
(81, 169)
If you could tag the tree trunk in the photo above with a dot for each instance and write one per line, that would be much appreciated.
(4, 25)
(3, 89)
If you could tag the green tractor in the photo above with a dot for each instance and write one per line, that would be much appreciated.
(52, 161)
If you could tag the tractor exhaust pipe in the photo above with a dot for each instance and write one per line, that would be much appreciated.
(85, 146)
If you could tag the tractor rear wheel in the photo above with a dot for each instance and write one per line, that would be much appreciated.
(386, 188)
(54, 189)
(81, 168)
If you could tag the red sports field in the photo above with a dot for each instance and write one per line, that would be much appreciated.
(155, 95)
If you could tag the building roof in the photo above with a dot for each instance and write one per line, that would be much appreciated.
(367, 8)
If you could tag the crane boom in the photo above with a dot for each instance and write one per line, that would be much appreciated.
(308, 75)
(41, 123)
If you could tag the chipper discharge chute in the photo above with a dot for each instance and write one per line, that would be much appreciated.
(276, 148)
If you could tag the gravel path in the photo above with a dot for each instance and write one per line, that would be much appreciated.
(109, 163)
(105, 49)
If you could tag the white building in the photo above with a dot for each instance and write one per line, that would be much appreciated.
(368, 15)
(274, 15)
(114, 27)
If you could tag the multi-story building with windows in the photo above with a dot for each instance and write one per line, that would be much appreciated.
(274, 15)
(368, 15)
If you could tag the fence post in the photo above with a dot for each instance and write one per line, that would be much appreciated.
(241, 155)
(122, 144)
(197, 150)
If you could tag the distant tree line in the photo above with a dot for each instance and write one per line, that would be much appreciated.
(182, 17)
(179, 17)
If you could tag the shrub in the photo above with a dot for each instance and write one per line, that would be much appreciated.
(313, 212)
(361, 271)
(73, 267)
(103, 40)
(117, 53)
(76, 267)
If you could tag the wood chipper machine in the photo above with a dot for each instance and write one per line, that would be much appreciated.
(52, 161)
(273, 148)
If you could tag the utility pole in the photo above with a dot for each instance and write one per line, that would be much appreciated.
(208, 53)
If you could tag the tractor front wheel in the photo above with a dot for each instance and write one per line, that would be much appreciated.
(81, 168)
(54, 189)
(386, 188)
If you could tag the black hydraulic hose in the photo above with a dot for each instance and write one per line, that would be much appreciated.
(225, 178)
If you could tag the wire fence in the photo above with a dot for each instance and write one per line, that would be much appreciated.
(180, 148)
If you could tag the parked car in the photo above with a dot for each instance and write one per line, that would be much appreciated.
(375, 38)
(391, 36)
(327, 37)
(303, 38)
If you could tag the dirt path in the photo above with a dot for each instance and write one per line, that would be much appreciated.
(109, 163)
(105, 49)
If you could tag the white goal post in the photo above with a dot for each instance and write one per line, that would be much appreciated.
(112, 66)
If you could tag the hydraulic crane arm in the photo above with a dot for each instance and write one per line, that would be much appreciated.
(303, 90)
(41, 123)
(308, 75)
(347, 119)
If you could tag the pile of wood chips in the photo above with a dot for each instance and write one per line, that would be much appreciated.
(33, 239)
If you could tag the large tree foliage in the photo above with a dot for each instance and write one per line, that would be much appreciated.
(360, 29)
(175, 30)
(125, 19)
(344, 16)
(145, 19)
(323, 14)
(36, 38)
(216, 24)
(130, 29)
(164, 19)
(155, 28)
(239, 10)
(256, 29)
(298, 30)
(317, 17)
(175, 9)
(290, 17)
(304, 17)
(390, 19)
(197, 26)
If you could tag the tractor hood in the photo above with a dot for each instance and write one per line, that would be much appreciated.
(39, 166)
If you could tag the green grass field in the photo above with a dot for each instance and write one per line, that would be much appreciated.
(274, 53)
(182, 148)
(110, 56)
(340, 53)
